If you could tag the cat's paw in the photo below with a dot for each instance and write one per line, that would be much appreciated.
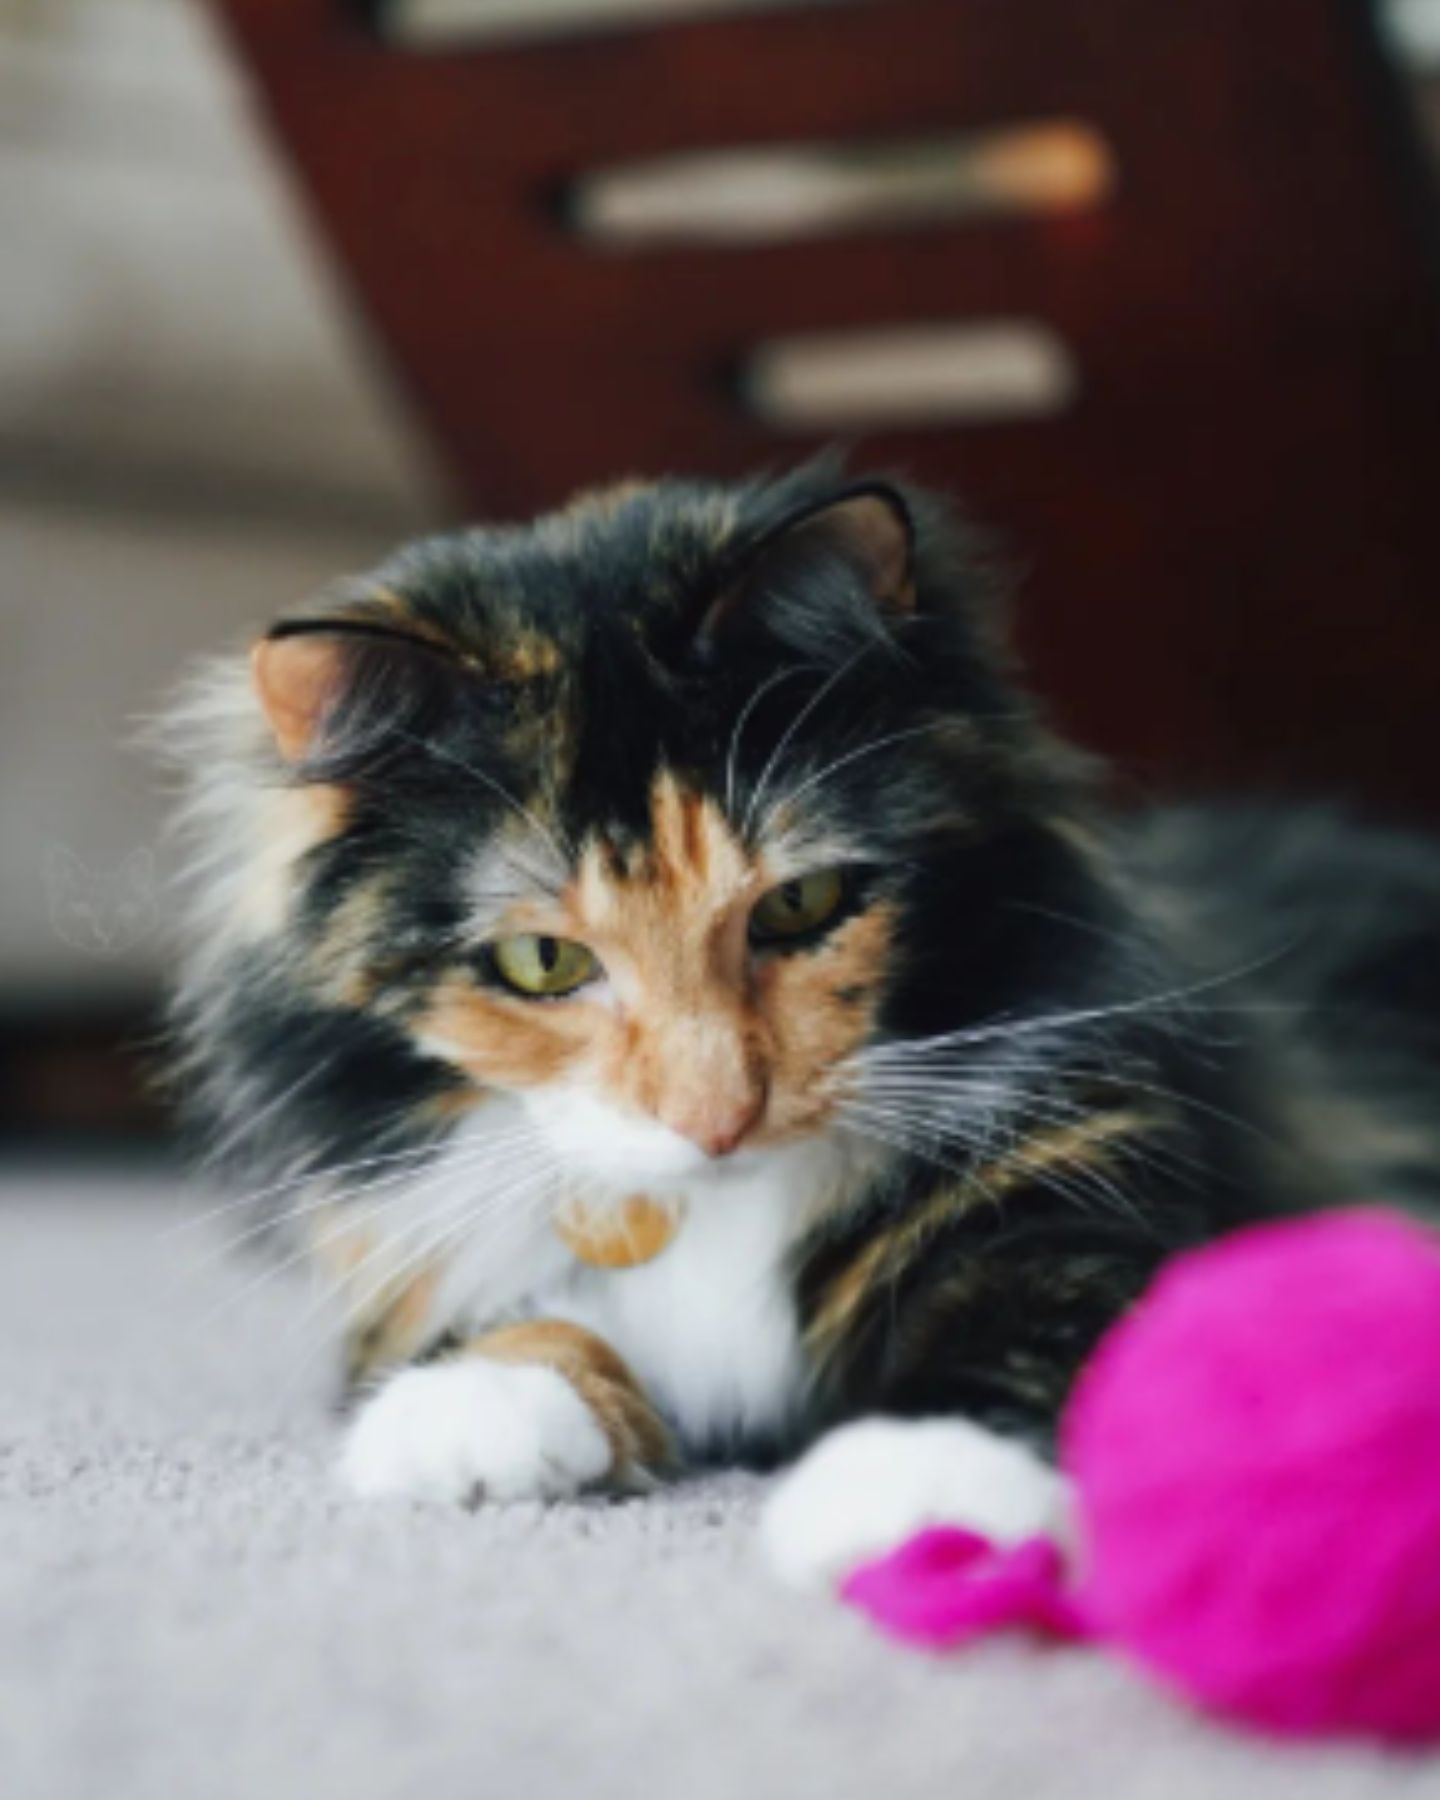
(867, 1487)
(475, 1430)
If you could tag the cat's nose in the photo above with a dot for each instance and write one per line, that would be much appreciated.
(718, 1126)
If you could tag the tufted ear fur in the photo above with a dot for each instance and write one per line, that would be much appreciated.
(871, 528)
(857, 544)
(332, 687)
(299, 680)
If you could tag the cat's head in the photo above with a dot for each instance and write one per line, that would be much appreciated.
(650, 814)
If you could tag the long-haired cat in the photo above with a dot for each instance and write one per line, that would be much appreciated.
(664, 963)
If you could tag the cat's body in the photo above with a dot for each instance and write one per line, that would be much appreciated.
(690, 857)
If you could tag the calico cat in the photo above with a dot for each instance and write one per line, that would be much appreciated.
(664, 963)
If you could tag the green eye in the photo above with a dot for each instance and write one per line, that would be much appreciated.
(543, 965)
(797, 907)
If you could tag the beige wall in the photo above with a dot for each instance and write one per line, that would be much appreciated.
(189, 436)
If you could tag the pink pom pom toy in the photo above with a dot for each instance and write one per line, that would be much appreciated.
(1255, 1457)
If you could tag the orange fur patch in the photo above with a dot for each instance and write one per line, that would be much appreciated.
(620, 1237)
(289, 823)
(341, 963)
(823, 1007)
(389, 1320)
(886, 1255)
(638, 1438)
(513, 1043)
(696, 1031)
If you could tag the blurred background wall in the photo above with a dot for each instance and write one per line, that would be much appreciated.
(284, 280)
(191, 435)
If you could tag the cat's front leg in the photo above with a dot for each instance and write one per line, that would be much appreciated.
(950, 1340)
(535, 1411)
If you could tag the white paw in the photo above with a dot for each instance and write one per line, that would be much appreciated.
(475, 1430)
(867, 1487)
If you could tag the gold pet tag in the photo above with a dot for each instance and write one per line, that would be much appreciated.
(620, 1237)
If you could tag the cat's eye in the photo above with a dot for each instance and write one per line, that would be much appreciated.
(797, 907)
(543, 966)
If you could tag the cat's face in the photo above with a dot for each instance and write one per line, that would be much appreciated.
(678, 998)
(646, 815)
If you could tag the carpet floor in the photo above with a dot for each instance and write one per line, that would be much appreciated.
(189, 1611)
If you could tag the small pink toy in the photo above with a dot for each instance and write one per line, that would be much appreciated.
(1255, 1456)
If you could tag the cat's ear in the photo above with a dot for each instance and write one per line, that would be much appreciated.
(870, 527)
(331, 688)
(299, 678)
(864, 532)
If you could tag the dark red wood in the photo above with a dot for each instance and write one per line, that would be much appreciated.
(1229, 537)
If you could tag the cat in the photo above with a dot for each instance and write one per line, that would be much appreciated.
(106, 913)
(665, 965)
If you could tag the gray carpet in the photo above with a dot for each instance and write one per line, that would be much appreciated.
(189, 1612)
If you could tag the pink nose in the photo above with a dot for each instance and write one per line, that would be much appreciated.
(717, 1129)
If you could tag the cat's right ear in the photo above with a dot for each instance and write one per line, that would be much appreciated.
(332, 689)
(299, 679)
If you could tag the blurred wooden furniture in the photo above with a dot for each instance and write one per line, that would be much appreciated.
(1228, 534)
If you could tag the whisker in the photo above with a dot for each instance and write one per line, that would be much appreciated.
(1072, 1183)
(880, 1130)
(1065, 1021)
(931, 1093)
(413, 1161)
(399, 1187)
(248, 1126)
(254, 1196)
(306, 1249)
(456, 1217)
(771, 681)
(433, 1248)
(841, 762)
(564, 854)
(827, 686)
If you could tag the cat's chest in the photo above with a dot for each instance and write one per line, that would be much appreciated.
(709, 1327)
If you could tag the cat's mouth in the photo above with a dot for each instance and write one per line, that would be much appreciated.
(612, 1149)
(669, 1172)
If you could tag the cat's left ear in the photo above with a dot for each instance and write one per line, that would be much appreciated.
(865, 530)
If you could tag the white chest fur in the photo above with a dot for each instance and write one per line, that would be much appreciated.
(709, 1327)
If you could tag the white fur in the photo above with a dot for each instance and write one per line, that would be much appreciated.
(485, 1206)
(475, 1430)
(709, 1326)
(866, 1487)
(603, 1144)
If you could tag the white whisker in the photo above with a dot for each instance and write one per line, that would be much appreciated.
(841, 762)
(564, 853)
(827, 686)
(733, 752)
(1061, 1021)
(252, 1122)
(399, 1187)
(255, 1196)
